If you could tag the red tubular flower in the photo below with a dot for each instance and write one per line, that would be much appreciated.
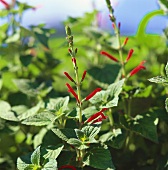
(71, 90)
(109, 56)
(97, 117)
(74, 60)
(7, 6)
(136, 69)
(67, 166)
(93, 93)
(126, 40)
(83, 76)
(129, 54)
(69, 77)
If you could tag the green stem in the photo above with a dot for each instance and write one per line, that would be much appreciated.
(110, 116)
(117, 33)
(78, 84)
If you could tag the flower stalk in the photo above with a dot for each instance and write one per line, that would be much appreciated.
(77, 82)
(116, 28)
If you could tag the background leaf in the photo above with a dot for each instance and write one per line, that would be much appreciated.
(99, 158)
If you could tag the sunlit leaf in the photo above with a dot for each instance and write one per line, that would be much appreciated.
(40, 119)
(52, 151)
(6, 112)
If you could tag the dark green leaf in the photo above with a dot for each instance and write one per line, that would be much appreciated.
(115, 138)
(28, 87)
(65, 134)
(26, 60)
(99, 158)
(106, 74)
(144, 124)
(35, 157)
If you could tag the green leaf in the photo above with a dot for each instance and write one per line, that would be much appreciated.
(108, 98)
(76, 143)
(13, 38)
(166, 69)
(144, 124)
(35, 157)
(33, 167)
(115, 138)
(159, 79)
(65, 134)
(80, 135)
(23, 162)
(30, 112)
(99, 158)
(59, 105)
(40, 119)
(89, 111)
(28, 87)
(53, 151)
(26, 60)
(142, 26)
(91, 131)
(163, 5)
(106, 74)
(6, 112)
(39, 137)
(42, 35)
(166, 103)
(50, 165)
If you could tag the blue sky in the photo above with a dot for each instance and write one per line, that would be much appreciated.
(128, 12)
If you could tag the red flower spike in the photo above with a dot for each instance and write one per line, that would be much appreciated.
(109, 56)
(71, 90)
(126, 40)
(67, 166)
(69, 77)
(93, 93)
(83, 76)
(129, 54)
(74, 60)
(97, 117)
(7, 6)
(136, 69)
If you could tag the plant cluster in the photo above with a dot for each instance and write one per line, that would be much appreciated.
(91, 107)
